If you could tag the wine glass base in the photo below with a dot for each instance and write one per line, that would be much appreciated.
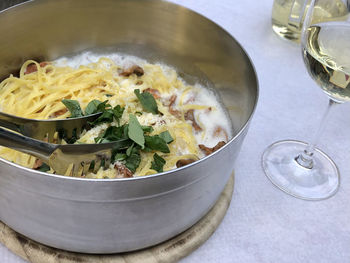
(320, 182)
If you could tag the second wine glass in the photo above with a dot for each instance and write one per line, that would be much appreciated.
(300, 169)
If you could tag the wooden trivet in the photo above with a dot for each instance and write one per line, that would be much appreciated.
(169, 251)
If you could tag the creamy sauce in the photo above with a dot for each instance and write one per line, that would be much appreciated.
(189, 116)
(209, 120)
(215, 125)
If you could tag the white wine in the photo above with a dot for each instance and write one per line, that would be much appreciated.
(326, 53)
(288, 15)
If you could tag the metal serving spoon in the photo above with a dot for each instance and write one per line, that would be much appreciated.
(46, 129)
(74, 159)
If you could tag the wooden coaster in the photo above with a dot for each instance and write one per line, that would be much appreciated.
(168, 251)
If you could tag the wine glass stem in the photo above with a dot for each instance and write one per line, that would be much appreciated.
(305, 158)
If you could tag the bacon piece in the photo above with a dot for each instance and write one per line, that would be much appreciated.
(122, 171)
(169, 101)
(170, 104)
(175, 113)
(183, 162)
(220, 131)
(189, 116)
(155, 93)
(40, 110)
(132, 70)
(43, 64)
(37, 164)
(208, 150)
(172, 100)
(32, 67)
(58, 113)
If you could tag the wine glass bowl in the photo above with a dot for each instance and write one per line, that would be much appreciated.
(300, 169)
(326, 53)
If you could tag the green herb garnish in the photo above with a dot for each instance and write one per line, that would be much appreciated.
(133, 161)
(108, 115)
(129, 150)
(156, 143)
(44, 168)
(135, 131)
(147, 128)
(157, 163)
(120, 157)
(74, 107)
(70, 140)
(118, 113)
(166, 137)
(92, 107)
(147, 100)
(111, 134)
(96, 106)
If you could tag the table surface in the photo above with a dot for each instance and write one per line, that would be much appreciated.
(263, 224)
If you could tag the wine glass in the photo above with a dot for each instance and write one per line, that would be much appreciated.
(298, 168)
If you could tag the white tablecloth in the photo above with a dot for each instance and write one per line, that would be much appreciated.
(263, 224)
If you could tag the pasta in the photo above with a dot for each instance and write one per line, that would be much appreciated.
(188, 113)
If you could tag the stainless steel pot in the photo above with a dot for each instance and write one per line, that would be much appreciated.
(107, 216)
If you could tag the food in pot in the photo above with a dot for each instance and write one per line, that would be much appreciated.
(169, 123)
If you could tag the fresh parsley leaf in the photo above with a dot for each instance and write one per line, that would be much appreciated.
(129, 150)
(108, 113)
(92, 165)
(44, 168)
(108, 95)
(156, 143)
(146, 149)
(103, 106)
(147, 100)
(126, 131)
(91, 108)
(147, 128)
(72, 139)
(133, 161)
(95, 106)
(111, 134)
(106, 117)
(120, 157)
(157, 163)
(103, 161)
(74, 107)
(166, 137)
(118, 113)
(135, 131)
